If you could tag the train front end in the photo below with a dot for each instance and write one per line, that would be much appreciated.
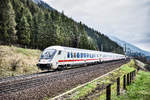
(46, 59)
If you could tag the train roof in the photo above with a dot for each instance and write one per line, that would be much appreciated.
(70, 48)
(67, 48)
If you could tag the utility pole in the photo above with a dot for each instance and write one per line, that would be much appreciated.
(125, 48)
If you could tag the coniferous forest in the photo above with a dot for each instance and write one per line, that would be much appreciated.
(26, 24)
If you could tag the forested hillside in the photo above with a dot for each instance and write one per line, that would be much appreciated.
(24, 23)
(102, 41)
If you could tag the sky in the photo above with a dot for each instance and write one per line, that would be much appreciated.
(128, 20)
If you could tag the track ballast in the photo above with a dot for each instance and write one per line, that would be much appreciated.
(36, 87)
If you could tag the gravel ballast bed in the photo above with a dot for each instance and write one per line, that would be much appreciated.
(58, 82)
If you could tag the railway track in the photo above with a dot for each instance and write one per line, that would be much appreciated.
(34, 86)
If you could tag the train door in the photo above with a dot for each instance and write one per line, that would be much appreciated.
(64, 57)
(71, 57)
(74, 58)
(60, 57)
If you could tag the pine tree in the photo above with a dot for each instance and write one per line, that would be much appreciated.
(7, 22)
(39, 27)
(23, 32)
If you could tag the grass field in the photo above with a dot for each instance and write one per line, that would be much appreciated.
(83, 92)
(140, 89)
(17, 61)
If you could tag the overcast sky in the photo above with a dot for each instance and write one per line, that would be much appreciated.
(128, 20)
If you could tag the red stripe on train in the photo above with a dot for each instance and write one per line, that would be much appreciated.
(75, 60)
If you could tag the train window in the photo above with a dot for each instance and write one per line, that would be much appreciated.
(59, 52)
(100, 55)
(78, 55)
(84, 55)
(74, 55)
(48, 54)
(71, 55)
(104, 55)
(68, 55)
(81, 55)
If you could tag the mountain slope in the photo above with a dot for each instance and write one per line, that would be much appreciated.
(101, 41)
(33, 25)
(42, 3)
(129, 47)
(104, 43)
(37, 1)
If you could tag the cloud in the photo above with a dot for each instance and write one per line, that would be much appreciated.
(128, 20)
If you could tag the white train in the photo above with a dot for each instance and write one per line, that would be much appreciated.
(58, 57)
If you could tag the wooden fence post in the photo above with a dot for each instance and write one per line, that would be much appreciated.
(124, 82)
(132, 74)
(128, 79)
(118, 86)
(108, 92)
(138, 68)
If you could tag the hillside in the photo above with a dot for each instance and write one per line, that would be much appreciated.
(103, 42)
(129, 47)
(16, 61)
(37, 25)
(42, 3)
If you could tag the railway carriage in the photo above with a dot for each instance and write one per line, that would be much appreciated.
(58, 57)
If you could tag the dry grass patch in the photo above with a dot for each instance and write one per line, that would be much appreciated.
(17, 61)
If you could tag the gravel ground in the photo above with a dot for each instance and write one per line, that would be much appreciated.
(55, 83)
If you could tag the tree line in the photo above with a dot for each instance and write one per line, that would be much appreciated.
(24, 23)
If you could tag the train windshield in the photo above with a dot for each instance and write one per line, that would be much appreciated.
(48, 54)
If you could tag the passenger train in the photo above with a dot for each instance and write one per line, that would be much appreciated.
(55, 57)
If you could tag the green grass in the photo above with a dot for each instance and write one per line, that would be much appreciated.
(27, 52)
(125, 69)
(83, 91)
(128, 67)
(140, 89)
